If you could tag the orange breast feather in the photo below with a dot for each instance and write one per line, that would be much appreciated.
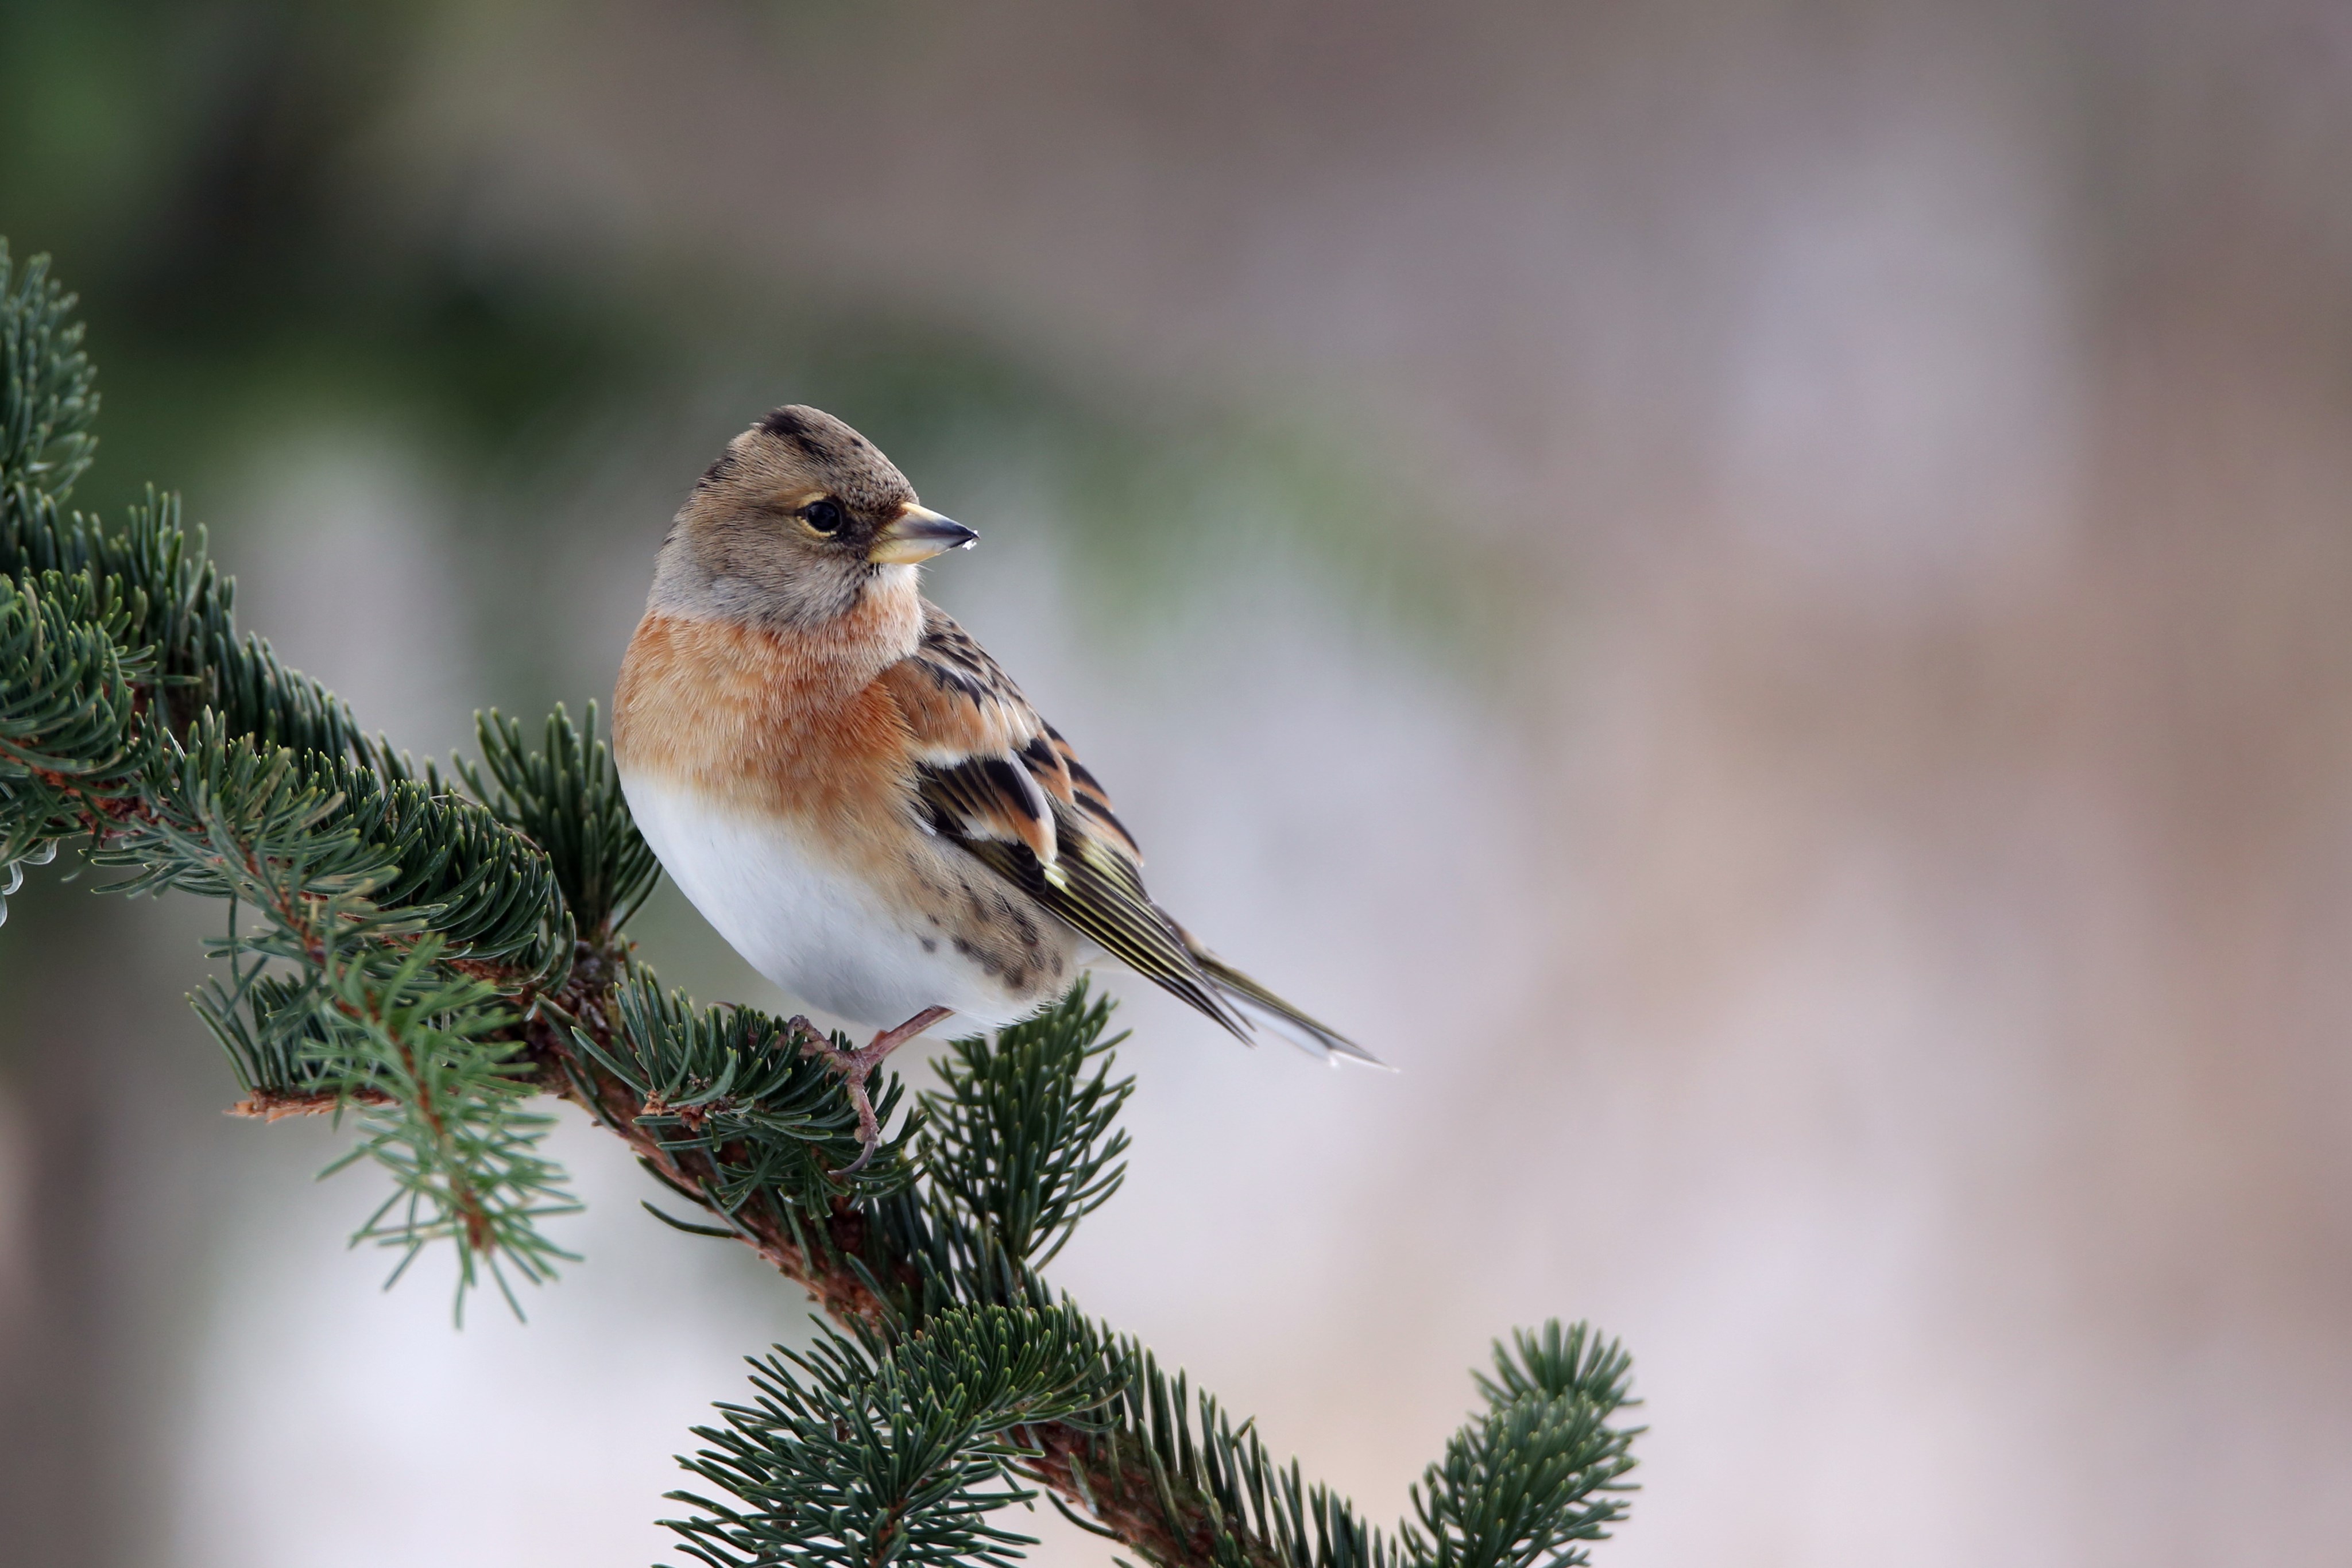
(757, 720)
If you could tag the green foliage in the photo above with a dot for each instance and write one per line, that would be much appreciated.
(1022, 1104)
(68, 718)
(48, 392)
(67, 707)
(184, 620)
(568, 800)
(282, 1051)
(1541, 1469)
(1017, 1145)
(465, 1159)
(1021, 1143)
(864, 1453)
(398, 929)
(735, 1087)
(422, 963)
(1220, 1493)
(367, 895)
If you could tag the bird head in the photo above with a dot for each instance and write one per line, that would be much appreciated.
(797, 522)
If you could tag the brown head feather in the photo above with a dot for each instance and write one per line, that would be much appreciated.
(777, 531)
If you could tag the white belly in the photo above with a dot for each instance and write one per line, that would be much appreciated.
(802, 922)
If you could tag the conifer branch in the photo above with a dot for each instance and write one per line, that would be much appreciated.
(426, 954)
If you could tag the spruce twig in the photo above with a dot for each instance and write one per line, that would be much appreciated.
(427, 961)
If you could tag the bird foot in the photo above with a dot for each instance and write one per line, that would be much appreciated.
(857, 1066)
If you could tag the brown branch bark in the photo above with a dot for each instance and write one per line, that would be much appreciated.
(272, 1104)
(568, 1073)
(1119, 1490)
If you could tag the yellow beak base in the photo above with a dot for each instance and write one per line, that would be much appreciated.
(915, 534)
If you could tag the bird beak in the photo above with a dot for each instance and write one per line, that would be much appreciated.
(918, 533)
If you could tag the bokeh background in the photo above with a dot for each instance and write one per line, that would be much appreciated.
(1759, 595)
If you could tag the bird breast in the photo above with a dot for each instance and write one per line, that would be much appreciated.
(824, 933)
(774, 780)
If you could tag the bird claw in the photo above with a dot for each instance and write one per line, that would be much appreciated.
(857, 1066)
(872, 1140)
(854, 1066)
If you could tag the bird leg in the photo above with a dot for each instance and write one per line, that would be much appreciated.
(857, 1066)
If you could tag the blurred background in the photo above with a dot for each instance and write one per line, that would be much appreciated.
(1758, 595)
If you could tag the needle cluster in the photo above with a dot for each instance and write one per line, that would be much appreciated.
(429, 956)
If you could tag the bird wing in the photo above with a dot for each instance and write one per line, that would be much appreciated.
(1003, 785)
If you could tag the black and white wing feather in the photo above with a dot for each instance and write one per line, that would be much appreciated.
(1002, 784)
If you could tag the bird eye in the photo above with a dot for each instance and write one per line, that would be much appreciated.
(821, 516)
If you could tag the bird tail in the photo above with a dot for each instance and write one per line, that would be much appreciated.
(1263, 1008)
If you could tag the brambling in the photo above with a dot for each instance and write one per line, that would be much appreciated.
(849, 788)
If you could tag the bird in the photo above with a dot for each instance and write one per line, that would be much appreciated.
(854, 793)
